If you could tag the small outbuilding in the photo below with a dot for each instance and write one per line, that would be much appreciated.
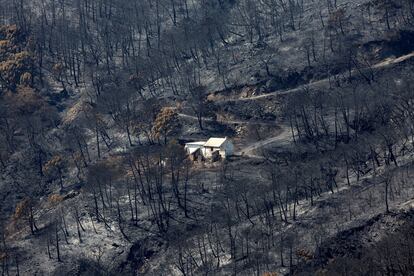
(195, 150)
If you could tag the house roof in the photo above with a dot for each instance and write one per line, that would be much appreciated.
(199, 143)
(215, 142)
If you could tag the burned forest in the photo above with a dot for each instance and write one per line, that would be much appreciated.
(206, 137)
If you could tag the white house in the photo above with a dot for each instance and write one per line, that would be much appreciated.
(222, 147)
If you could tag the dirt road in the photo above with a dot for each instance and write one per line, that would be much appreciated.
(321, 83)
(284, 138)
(233, 122)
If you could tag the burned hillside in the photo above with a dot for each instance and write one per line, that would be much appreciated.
(206, 137)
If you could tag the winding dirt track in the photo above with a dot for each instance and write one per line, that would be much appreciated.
(284, 138)
(321, 83)
(234, 122)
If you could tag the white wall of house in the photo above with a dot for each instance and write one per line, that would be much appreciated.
(225, 150)
(208, 152)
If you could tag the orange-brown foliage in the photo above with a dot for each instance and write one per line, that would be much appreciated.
(304, 254)
(21, 209)
(270, 274)
(55, 199)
